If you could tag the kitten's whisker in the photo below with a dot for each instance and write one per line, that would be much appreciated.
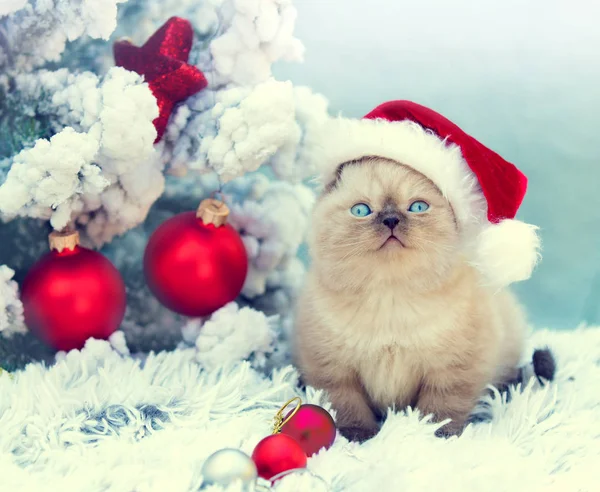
(352, 253)
(354, 242)
(359, 248)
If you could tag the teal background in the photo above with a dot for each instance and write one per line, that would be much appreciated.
(521, 76)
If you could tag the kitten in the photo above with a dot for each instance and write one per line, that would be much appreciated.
(392, 314)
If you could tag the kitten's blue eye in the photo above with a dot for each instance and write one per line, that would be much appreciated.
(360, 210)
(418, 207)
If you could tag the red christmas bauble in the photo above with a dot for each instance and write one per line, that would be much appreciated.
(276, 454)
(194, 266)
(71, 295)
(313, 427)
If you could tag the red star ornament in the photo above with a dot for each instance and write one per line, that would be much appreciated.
(162, 60)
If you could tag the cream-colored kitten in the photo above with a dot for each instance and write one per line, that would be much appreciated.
(392, 315)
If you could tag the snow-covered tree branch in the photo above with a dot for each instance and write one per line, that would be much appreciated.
(101, 170)
(11, 309)
(77, 146)
(36, 31)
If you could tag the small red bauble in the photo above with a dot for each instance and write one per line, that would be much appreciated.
(195, 263)
(72, 294)
(276, 454)
(312, 426)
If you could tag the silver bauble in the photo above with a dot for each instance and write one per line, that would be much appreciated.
(228, 465)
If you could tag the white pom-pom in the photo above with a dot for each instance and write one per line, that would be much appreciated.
(507, 252)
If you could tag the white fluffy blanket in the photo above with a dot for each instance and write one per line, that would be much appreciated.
(101, 420)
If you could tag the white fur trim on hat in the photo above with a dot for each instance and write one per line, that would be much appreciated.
(407, 143)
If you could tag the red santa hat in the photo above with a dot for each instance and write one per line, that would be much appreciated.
(484, 190)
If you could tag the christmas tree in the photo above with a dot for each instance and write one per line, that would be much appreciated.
(80, 148)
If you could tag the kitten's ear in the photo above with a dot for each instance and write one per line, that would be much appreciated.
(334, 179)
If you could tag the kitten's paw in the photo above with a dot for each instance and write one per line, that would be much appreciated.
(301, 383)
(358, 434)
(449, 430)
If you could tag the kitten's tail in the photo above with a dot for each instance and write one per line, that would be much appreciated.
(544, 365)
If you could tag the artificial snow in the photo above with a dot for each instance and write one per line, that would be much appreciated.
(294, 161)
(44, 180)
(258, 33)
(252, 125)
(233, 334)
(101, 171)
(10, 6)
(272, 218)
(11, 308)
(99, 419)
(30, 43)
(236, 130)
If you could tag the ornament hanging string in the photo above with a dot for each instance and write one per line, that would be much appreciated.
(212, 88)
(218, 195)
(279, 416)
(212, 83)
(211, 77)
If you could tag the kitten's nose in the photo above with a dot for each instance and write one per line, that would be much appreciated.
(391, 221)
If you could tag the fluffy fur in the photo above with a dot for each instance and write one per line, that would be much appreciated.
(99, 421)
(395, 323)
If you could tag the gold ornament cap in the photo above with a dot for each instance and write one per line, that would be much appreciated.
(213, 211)
(62, 240)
